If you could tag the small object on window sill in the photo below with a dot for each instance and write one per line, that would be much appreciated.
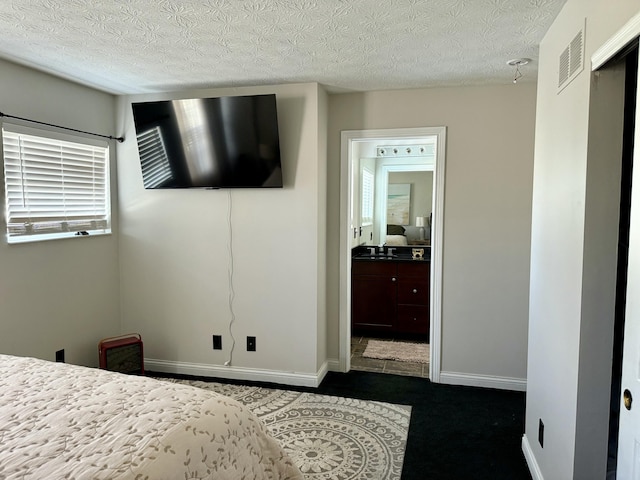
(83, 232)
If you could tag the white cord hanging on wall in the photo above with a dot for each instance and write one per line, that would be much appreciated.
(517, 63)
(232, 294)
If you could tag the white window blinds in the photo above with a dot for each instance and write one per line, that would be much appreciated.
(367, 197)
(54, 186)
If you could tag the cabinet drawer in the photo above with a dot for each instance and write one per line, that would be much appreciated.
(416, 268)
(413, 291)
(413, 319)
(376, 267)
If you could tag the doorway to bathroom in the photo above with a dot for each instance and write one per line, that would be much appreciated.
(385, 177)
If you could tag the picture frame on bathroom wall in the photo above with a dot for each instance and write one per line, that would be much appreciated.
(398, 203)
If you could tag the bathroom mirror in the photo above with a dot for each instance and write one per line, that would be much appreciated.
(392, 189)
(405, 193)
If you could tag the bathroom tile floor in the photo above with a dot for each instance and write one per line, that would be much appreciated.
(358, 362)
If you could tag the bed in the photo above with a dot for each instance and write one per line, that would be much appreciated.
(400, 235)
(65, 421)
(396, 235)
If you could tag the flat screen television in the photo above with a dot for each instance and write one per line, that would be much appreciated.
(222, 142)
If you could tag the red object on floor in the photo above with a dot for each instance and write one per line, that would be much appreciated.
(122, 354)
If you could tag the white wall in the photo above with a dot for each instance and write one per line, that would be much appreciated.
(572, 260)
(487, 214)
(59, 294)
(321, 329)
(174, 256)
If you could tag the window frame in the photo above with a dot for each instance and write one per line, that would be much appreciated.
(20, 128)
(367, 202)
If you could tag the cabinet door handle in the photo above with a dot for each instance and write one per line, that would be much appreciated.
(415, 290)
(393, 279)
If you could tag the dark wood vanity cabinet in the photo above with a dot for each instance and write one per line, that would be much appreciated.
(390, 296)
(373, 295)
(412, 315)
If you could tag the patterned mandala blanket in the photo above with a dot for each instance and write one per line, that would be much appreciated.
(64, 421)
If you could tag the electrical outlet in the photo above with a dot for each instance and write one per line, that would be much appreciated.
(217, 342)
(251, 344)
(541, 432)
(60, 356)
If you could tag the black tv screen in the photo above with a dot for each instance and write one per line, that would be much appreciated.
(223, 142)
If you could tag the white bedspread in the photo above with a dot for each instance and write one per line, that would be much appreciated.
(65, 421)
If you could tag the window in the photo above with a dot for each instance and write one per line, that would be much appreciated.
(366, 213)
(55, 185)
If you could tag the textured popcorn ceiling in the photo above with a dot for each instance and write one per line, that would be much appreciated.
(135, 46)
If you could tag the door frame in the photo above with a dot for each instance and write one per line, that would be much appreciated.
(608, 51)
(349, 139)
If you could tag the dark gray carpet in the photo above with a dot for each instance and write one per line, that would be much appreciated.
(455, 432)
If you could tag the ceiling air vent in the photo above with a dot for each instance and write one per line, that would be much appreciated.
(571, 61)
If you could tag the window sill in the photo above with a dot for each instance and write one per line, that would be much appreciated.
(54, 236)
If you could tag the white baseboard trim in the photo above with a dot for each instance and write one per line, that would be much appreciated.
(333, 365)
(324, 368)
(237, 373)
(534, 469)
(486, 381)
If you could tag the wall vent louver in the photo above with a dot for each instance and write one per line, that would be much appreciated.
(564, 68)
(571, 61)
(575, 62)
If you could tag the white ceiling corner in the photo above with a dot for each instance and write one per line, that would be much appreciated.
(138, 46)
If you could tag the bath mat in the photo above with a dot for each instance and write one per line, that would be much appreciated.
(395, 350)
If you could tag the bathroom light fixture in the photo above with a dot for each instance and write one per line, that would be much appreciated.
(402, 150)
(517, 63)
(421, 222)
